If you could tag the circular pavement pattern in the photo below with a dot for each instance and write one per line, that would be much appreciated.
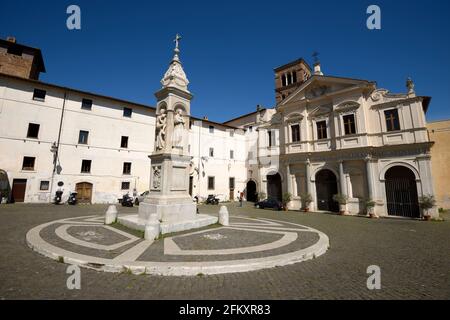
(246, 244)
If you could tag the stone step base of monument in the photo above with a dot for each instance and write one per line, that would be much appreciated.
(201, 220)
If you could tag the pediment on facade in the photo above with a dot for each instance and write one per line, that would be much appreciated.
(321, 111)
(347, 106)
(320, 86)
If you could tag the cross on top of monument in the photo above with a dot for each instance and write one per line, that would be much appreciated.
(177, 40)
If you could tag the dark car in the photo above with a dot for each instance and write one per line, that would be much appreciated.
(269, 203)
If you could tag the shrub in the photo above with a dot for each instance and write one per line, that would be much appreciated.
(340, 198)
(306, 198)
(287, 197)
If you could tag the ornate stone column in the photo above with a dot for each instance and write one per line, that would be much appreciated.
(342, 181)
(369, 175)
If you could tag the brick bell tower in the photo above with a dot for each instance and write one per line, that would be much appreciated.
(289, 77)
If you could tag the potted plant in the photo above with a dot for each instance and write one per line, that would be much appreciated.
(342, 199)
(261, 196)
(287, 197)
(306, 200)
(370, 204)
(426, 203)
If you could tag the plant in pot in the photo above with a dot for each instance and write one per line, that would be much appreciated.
(370, 205)
(426, 203)
(342, 199)
(261, 196)
(287, 197)
(306, 200)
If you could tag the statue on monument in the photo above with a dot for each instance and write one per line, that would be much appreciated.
(161, 130)
(178, 131)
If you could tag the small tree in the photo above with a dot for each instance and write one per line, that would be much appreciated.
(261, 196)
(306, 199)
(370, 204)
(340, 198)
(427, 202)
(287, 197)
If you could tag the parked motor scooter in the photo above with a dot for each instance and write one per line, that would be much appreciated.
(212, 199)
(72, 198)
(127, 201)
(58, 197)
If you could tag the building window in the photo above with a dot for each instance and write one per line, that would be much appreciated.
(190, 124)
(124, 142)
(231, 133)
(33, 130)
(283, 80)
(250, 128)
(231, 154)
(126, 168)
(44, 186)
(39, 94)
(127, 112)
(211, 152)
(86, 104)
(28, 163)
(349, 124)
(271, 136)
(295, 132)
(231, 183)
(211, 183)
(250, 155)
(125, 185)
(189, 148)
(83, 137)
(321, 130)
(294, 76)
(392, 120)
(86, 166)
(211, 129)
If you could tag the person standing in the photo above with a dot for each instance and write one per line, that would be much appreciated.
(241, 198)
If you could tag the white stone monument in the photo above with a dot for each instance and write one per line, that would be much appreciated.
(224, 218)
(169, 195)
(111, 215)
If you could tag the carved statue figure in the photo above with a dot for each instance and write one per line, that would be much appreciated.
(161, 130)
(178, 131)
(156, 179)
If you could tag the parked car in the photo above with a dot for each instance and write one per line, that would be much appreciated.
(269, 203)
(141, 197)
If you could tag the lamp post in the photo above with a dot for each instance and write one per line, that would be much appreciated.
(54, 150)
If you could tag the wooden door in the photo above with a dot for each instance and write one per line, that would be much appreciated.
(84, 192)
(18, 190)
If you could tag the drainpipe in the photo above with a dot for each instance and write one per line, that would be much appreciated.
(56, 157)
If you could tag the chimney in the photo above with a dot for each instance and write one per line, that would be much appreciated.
(205, 117)
(11, 39)
(317, 70)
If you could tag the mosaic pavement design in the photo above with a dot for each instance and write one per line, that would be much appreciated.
(246, 244)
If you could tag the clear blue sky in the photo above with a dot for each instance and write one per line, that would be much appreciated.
(229, 48)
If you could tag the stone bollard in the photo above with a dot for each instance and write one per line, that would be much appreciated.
(111, 214)
(152, 228)
(223, 216)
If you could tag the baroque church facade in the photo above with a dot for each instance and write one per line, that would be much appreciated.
(327, 135)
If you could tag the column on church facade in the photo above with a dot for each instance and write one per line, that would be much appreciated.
(289, 180)
(369, 175)
(308, 176)
(342, 181)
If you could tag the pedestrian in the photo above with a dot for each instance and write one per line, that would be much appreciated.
(241, 198)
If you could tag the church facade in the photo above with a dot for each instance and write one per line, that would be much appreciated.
(326, 135)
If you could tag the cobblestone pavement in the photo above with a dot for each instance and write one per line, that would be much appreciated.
(413, 256)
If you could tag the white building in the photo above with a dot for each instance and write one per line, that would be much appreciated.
(326, 135)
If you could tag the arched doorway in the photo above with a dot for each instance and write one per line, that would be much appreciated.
(251, 191)
(84, 192)
(274, 186)
(5, 188)
(326, 188)
(401, 192)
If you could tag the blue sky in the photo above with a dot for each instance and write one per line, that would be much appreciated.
(229, 48)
